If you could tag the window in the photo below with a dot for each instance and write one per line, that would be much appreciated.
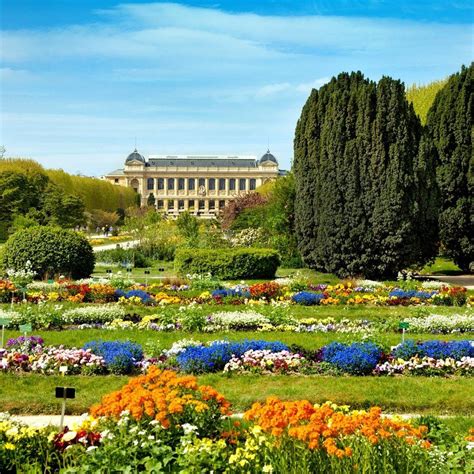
(221, 204)
(232, 184)
(242, 184)
(170, 205)
(181, 184)
(161, 183)
(116, 180)
(221, 184)
(150, 183)
(191, 204)
(160, 204)
(191, 184)
(171, 183)
(212, 204)
(201, 205)
(212, 184)
(202, 182)
(253, 184)
(181, 205)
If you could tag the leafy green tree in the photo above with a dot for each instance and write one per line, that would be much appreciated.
(422, 97)
(448, 141)
(188, 228)
(62, 209)
(356, 173)
(151, 201)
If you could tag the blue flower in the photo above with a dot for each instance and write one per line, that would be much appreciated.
(212, 358)
(406, 294)
(435, 349)
(120, 356)
(306, 298)
(359, 358)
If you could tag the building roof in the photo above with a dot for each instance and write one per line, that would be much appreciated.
(268, 157)
(135, 156)
(203, 161)
(119, 172)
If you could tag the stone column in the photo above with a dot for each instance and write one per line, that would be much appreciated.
(226, 187)
(176, 204)
(247, 185)
(206, 204)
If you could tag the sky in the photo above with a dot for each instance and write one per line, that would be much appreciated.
(82, 81)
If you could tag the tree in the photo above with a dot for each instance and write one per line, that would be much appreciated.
(448, 141)
(358, 178)
(151, 201)
(62, 209)
(234, 207)
(188, 228)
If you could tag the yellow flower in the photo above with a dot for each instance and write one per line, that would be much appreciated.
(9, 446)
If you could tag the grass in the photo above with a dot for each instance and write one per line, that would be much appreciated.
(34, 394)
(163, 340)
(442, 266)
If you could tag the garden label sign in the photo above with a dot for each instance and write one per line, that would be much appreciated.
(25, 328)
(64, 393)
(4, 322)
(403, 325)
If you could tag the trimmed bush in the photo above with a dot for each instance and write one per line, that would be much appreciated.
(51, 251)
(228, 264)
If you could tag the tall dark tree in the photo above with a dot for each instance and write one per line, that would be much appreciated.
(448, 138)
(357, 180)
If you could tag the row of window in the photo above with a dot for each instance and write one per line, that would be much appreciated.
(191, 205)
(212, 183)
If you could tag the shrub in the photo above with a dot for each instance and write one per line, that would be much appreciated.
(119, 356)
(51, 251)
(230, 264)
(123, 256)
(357, 358)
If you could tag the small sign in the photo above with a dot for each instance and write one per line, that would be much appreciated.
(108, 271)
(404, 325)
(147, 272)
(63, 369)
(25, 328)
(161, 269)
(129, 270)
(65, 392)
(5, 321)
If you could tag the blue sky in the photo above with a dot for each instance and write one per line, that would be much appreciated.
(80, 80)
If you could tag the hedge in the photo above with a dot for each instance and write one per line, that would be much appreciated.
(228, 264)
(51, 251)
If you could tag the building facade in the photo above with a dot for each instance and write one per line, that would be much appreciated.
(201, 185)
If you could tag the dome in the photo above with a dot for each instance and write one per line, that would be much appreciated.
(268, 157)
(135, 156)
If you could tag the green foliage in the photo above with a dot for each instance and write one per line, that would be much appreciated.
(422, 96)
(188, 227)
(95, 193)
(135, 257)
(51, 251)
(228, 264)
(448, 141)
(358, 180)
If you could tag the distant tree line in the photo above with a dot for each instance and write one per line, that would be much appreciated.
(31, 195)
(375, 191)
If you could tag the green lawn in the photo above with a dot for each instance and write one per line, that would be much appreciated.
(442, 266)
(34, 394)
(163, 340)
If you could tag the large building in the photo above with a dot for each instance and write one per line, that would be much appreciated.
(201, 185)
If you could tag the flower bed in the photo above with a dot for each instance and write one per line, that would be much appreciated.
(118, 288)
(164, 422)
(247, 356)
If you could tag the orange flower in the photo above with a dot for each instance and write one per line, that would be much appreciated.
(160, 394)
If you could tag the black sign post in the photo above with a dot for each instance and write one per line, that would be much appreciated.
(64, 393)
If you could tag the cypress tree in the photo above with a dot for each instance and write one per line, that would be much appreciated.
(449, 141)
(356, 170)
